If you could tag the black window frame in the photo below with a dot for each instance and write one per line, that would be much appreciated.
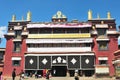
(101, 31)
(16, 62)
(15, 47)
(18, 33)
(104, 44)
(103, 62)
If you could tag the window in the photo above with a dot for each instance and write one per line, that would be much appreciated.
(16, 62)
(72, 30)
(58, 30)
(103, 45)
(84, 30)
(59, 45)
(17, 46)
(1, 55)
(45, 31)
(101, 31)
(33, 31)
(18, 33)
(103, 62)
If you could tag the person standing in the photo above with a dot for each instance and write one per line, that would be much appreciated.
(22, 75)
(13, 74)
(44, 73)
(76, 75)
(47, 75)
(54, 72)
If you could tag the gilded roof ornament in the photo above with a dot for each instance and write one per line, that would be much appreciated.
(98, 16)
(22, 18)
(59, 15)
(13, 18)
(89, 14)
(29, 16)
(108, 15)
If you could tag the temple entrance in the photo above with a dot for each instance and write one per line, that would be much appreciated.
(59, 71)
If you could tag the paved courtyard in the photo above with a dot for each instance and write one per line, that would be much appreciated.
(64, 78)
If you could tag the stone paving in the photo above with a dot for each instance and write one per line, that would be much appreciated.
(64, 78)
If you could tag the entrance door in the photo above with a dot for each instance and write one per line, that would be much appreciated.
(59, 71)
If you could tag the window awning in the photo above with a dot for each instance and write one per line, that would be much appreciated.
(102, 58)
(16, 58)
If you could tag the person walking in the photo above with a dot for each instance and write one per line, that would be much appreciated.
(22, 75)
(76, 76)
(13, 74)
(47, 75)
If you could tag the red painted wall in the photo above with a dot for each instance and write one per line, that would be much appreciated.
(112, 47)
(8, 58)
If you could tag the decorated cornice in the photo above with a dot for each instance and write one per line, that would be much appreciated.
(64, 25)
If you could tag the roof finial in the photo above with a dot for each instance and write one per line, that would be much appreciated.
(89, 14)
(22, 18)
(108, 15)
(13, 18)
(98, 16)
(29, 16)
(59, 14)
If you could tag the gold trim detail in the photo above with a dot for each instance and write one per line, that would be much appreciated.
(85, 35)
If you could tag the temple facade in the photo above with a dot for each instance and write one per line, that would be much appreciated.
(61, 46)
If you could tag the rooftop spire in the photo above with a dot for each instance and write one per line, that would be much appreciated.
(29, 16)
(22, 18)
(98, 16)
(108, 15)
(89, 14)
(13, 18)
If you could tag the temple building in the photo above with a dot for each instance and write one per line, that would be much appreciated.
(61, 46)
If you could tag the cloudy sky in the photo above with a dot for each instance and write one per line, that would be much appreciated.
(43, 10)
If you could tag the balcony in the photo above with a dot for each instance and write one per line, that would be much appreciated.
(60, 49)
